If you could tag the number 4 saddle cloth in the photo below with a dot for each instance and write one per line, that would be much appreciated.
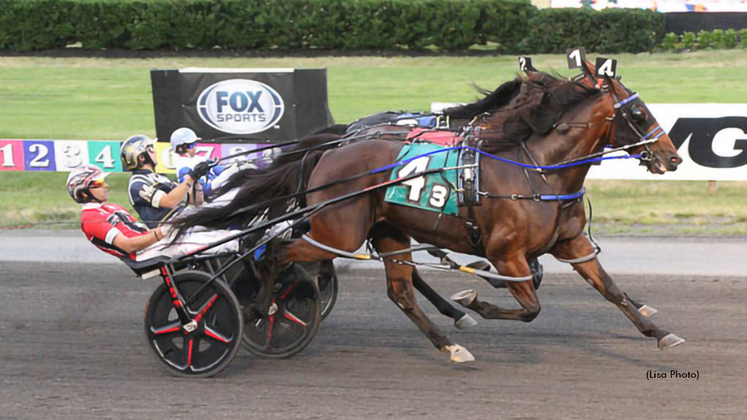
(435, 191)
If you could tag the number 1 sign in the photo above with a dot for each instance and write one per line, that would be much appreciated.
(11, 155)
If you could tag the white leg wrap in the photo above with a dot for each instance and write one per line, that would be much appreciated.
(465, 322)
(670, 340)
(647, 311)
(465, 297)
(459, 354)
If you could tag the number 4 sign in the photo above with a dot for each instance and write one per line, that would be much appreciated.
(606, 67)
(105, 155)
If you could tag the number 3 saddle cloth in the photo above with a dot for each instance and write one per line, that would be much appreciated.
(436, 191)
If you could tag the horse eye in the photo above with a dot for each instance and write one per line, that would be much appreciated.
(638, 115)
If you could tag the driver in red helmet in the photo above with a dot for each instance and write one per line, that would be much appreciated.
(113, 229)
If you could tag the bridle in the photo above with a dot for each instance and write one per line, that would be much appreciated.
(645, 139)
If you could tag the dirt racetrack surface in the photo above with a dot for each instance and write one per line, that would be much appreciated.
(72, 347)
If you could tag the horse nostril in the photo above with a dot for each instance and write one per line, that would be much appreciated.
(675, 160)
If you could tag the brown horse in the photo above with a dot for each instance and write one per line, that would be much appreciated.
(562, 120)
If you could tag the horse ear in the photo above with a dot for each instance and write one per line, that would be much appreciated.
(589, 70)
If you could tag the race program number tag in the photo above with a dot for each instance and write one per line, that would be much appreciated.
(576, 57)
(606, 67)
(525, 64)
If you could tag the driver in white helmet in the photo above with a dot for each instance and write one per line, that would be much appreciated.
(183, 144)
(154, 196)
(113, 229)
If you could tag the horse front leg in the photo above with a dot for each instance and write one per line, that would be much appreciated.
(595, 275)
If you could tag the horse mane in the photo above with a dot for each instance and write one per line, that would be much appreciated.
(541, 101)
(492, 100)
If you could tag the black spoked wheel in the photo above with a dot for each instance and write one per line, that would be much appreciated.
(324, 275)
(294, 318)
(212, 345)
(326, 282)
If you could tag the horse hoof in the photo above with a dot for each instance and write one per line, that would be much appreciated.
(459, 354)
(647, 311)
(465, 297)
(465, 322)
(670, 340)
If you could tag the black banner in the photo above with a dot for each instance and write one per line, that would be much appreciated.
(681, 22)
(234, 105)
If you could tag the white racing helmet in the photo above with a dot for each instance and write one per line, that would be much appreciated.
(79, 181)
(182, 138)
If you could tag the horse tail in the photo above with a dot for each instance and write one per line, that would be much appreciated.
(256, 193)
(310, 143)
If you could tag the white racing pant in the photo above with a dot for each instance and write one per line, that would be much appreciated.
(195, 239)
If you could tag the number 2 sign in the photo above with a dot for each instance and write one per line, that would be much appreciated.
(38, 155)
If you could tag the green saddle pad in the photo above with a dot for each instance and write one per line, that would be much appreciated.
(433, 192)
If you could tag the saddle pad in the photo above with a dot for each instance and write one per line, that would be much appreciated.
(434, 192)
(444, 138)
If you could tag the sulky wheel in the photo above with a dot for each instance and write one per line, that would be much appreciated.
(326, 282)
(213, 344)
(294, 318)
(324, 275)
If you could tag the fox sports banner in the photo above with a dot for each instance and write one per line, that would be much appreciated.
(252, 105)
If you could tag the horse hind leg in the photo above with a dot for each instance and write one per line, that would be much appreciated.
(523, 292)
(400, 291)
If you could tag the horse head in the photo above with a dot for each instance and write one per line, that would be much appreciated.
(633, 123)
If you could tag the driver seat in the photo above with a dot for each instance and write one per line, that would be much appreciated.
(147, 268)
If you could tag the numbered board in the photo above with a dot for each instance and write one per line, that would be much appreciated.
(433, 192)
(66, 155)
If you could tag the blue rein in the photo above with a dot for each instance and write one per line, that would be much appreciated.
(511, 162)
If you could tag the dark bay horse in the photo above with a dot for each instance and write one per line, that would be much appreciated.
(569, 120)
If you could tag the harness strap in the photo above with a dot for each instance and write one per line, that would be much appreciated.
(625, 101)
(487, 275)
(484, 274)
(539, 197)
(579, 260)
(339, 252)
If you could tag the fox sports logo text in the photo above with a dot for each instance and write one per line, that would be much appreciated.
(240, 106)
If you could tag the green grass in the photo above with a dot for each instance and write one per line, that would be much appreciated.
(660, 207)
(110, 99)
